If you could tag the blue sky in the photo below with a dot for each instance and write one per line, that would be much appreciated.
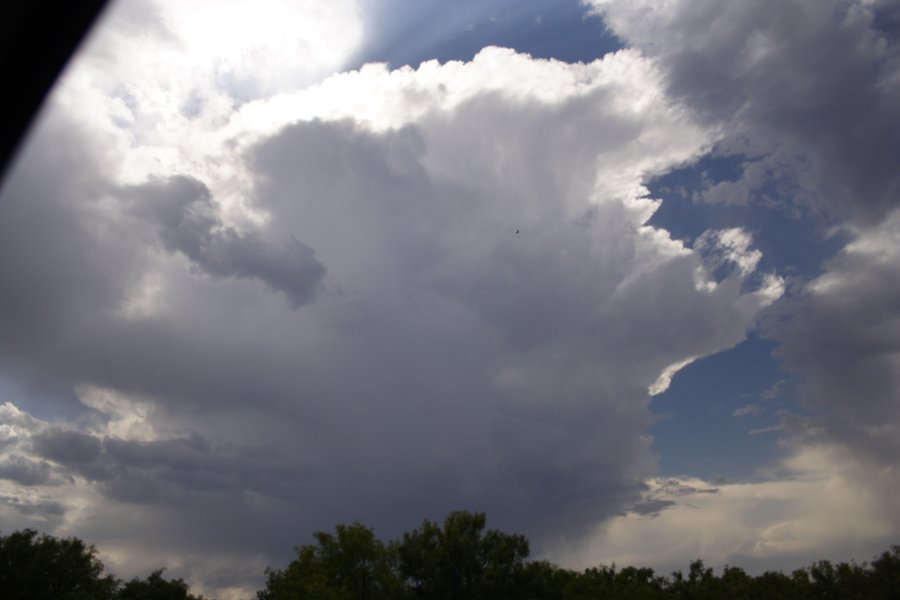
(409, 32)
(267, 274)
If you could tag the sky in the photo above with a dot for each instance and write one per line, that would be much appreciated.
(621, 274)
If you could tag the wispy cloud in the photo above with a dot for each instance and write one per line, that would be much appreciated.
(749, 410)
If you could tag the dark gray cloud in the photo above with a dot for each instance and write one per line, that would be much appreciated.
(26, 471)
(842, 336)
(802, 82)
(182, 210)
(181, 471)
(651, 508)
(47, 512)
(406, 283)
(48, 255)
(67, 447)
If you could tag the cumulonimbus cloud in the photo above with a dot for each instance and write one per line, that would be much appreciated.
(480, 307)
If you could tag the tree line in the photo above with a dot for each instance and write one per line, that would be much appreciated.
(457, 560)
(42, 567)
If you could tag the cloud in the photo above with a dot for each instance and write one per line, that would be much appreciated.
(818, 505)
(185, 55)
(742, 191)
(431, 359)
(794, 83)
(843, 339)
(806, 94)
(67, 447)
(839, 336)
(726, 247)
(185, 218)
(25, 471)
(749, 409)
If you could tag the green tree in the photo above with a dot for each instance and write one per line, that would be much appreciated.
(154, 587)
(775, 585)
(37, 567)
(542, 580)
(351, 564)
(852, 581)
(594, 582)
(885, 575)
(608, 582)
(462, 561)
(824, 585)
(735, 584)
(639, 583)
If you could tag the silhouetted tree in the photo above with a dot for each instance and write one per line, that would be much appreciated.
(351, 564)
(34, 567)
(735, 584)
(885, 578)
(461, 561)
(542, 580)
(154, 587)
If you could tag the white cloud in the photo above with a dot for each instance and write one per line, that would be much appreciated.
(748, 409)
(820, 505)
(726, 249)
(257, 49)
(122, 417)
(665, 378)
(742, 191)
(163, 78)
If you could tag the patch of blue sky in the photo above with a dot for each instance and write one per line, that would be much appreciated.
(409, 32)
(793, 242)
(40, 400)
(719, 418)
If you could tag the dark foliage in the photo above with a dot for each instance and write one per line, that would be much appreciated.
(154, 587)
(42, 567)
(462, 561)
(458, 560)
(351, 564)
(35, 566)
